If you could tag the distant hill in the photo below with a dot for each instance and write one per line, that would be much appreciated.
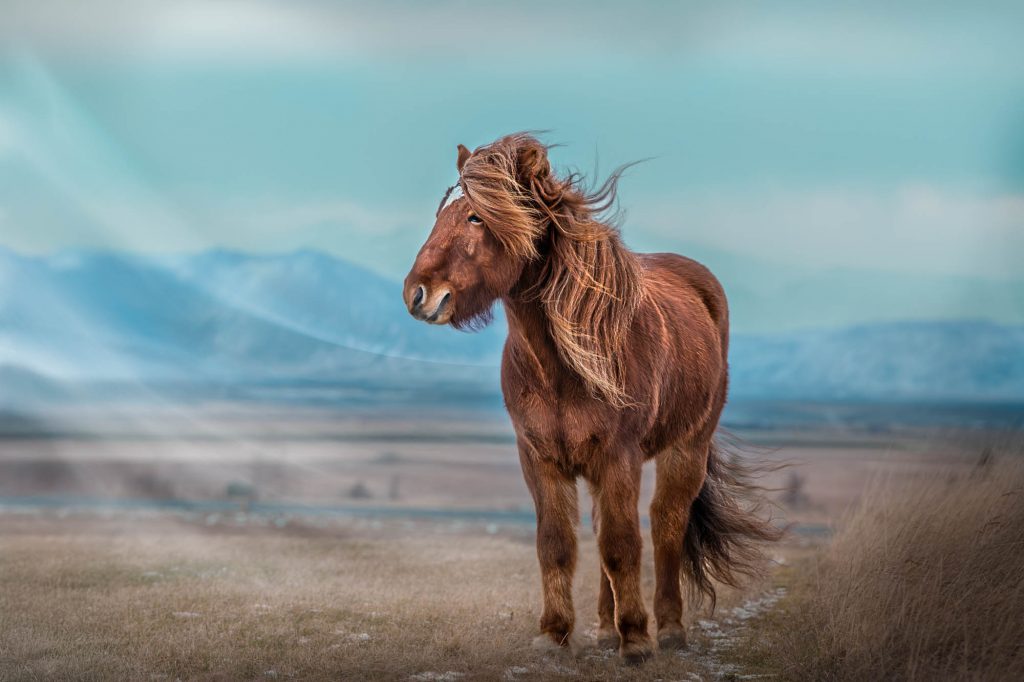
(226, 319)
(933, 361)
(94, 315)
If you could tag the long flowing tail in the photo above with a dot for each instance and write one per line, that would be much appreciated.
(726, 532)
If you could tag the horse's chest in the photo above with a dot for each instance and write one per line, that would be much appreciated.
(565, 432)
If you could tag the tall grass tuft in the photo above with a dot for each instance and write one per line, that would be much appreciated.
(924, 581)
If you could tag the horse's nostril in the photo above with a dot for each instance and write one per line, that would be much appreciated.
(418, 296)
(442, 305)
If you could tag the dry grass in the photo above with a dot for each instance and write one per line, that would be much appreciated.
(924, 581)
(157, 600)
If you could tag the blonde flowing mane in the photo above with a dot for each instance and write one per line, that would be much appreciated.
(591, 283)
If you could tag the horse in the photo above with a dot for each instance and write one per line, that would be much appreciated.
(613, 358)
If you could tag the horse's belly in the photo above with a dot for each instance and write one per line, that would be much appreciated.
(689, 407)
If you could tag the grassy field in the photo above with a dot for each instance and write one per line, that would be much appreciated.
(906, 561)
(99, 599)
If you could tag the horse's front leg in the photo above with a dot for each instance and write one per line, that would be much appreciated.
(620, 545)
(554, 495)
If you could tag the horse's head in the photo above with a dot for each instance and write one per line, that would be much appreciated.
(512, 229)
(486, 231)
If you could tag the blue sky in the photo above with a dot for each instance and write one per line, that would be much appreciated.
(790, 138)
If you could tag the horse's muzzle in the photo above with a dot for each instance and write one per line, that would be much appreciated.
(431, 305)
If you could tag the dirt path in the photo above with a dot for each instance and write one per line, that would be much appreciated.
(717, 638)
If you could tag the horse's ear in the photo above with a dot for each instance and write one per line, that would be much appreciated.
(464, 155)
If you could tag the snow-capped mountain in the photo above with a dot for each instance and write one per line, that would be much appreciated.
(932, 361)
(93, 315)
(228, 318)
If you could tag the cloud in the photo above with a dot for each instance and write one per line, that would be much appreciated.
(795, 35)
(7, 136)
(147, 27)
(61, 150)
(383, 239)
(915, 229)
(351, 215)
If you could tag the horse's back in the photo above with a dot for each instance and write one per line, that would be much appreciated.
(690, 276)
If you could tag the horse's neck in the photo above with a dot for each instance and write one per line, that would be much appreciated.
(528, 328)
(528, 323)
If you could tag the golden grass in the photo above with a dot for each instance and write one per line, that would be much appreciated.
(113, 600)
(924, 581)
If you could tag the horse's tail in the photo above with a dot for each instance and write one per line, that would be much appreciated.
(726, 530)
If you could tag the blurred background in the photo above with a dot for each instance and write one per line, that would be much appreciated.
(206, 210)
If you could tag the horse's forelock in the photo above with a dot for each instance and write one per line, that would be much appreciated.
(490, 183)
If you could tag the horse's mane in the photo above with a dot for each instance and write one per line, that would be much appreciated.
(590, 284)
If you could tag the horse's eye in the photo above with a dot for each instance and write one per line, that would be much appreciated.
(475, 219)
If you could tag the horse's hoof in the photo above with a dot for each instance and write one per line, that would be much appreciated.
(546, 643)
(672, 640)
(635, 653)
(607, 638)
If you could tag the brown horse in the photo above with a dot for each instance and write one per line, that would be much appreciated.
(612, 358)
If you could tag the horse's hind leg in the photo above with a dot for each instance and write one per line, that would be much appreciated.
(680, 475)
(607, 635)
(620, 544)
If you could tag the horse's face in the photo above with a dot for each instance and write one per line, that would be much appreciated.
(461, 270)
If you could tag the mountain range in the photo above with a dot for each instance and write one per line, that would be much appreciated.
(228, 319)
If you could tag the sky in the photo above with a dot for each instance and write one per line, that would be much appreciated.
(779, 138)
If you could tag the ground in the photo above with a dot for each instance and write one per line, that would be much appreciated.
(177, 597)
(295, 573)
